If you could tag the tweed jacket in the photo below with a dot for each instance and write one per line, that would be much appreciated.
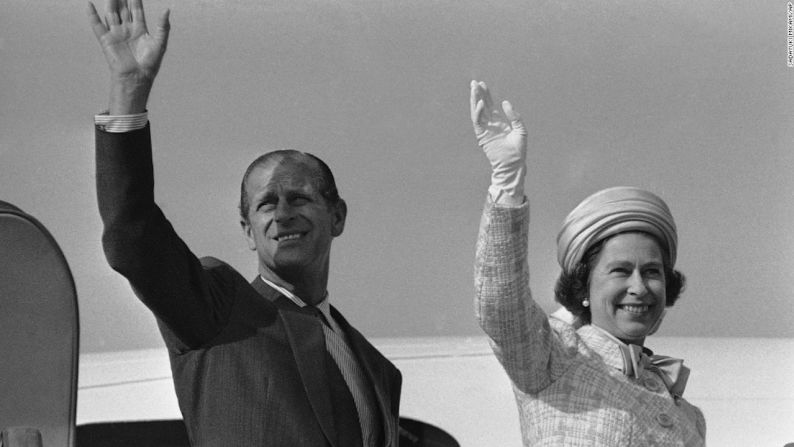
(250, 367)
(568, 383)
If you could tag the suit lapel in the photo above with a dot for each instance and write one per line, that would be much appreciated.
(371, 361)
(307, 341)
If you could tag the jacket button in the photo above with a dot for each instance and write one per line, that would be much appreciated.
(664, 419)
(652, 384)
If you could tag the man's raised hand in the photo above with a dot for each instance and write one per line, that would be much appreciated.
(133, 54)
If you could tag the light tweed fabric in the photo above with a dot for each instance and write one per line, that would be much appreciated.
(569, 384)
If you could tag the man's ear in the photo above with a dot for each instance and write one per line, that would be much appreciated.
(249, 236)
(339, 214)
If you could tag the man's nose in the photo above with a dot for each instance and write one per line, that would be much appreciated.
(284, 211)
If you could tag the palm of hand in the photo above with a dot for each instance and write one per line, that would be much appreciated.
(501, 135)
(132, 51)
(500, 141)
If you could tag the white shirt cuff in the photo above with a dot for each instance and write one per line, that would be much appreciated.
(121, 123)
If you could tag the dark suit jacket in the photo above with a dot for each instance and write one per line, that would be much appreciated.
(250, 368)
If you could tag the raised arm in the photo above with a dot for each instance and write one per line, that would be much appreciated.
(519, 330)
(133, 54)
(138, 240)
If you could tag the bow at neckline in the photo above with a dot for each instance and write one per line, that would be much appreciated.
(671, 370)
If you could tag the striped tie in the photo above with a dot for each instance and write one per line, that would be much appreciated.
(356, 381)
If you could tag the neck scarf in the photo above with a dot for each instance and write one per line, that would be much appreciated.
(671, 370)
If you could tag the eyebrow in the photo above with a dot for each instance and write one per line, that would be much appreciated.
(263, 195)
(622, 263)
(270, 193)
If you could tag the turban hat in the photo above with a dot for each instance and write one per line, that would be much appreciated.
(609, 212)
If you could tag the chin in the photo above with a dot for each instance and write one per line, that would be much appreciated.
(635, 331)
(288, 259)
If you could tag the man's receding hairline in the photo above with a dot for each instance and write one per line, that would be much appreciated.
(298, 158)
(319, 172)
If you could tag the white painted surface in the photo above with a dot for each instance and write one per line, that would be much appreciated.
(743, 385)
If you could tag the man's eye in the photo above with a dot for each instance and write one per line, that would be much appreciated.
(266, 206)
(298, 201)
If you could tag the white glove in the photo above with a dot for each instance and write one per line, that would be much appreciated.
(503, 138)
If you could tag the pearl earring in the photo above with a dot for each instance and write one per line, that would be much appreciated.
(586, 302)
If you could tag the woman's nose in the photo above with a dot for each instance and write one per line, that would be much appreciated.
(637, 285)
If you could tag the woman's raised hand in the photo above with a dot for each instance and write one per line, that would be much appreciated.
(503, 137)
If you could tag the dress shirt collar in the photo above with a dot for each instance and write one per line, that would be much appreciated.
(617, 341)
(324, 306)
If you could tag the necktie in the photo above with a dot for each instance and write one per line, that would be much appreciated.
(355, 379)
(671, 370)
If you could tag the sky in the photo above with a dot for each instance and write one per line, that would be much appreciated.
(691, 100)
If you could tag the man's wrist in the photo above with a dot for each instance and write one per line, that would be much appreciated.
(128, 97)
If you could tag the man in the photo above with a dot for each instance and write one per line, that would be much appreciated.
(266, 363)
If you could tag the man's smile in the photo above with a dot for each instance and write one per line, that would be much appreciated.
(289, 236)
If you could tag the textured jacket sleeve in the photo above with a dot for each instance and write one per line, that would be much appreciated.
(141, 244)
(532, 352)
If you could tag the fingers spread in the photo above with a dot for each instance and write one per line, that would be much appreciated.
(163, 28)
(136, 9)
(112, 6)
(96, 23)
(112, 19)
(124, 12)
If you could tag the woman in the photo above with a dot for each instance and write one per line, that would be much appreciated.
(590, 383)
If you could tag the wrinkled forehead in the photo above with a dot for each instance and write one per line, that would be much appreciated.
(285, 173)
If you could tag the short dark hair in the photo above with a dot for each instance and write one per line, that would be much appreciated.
(325, 182)
(574, 287)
